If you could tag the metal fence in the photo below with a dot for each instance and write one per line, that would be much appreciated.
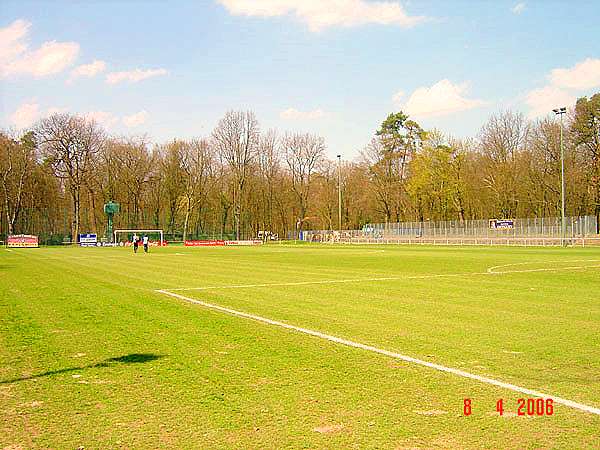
(534, 227)
(534, 231)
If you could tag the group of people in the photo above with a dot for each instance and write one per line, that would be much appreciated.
(136, 242)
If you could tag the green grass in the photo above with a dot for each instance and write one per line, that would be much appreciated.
(91, 355)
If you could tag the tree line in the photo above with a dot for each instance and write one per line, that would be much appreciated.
(240, 180)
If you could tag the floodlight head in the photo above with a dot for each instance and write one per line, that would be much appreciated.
(561, 110)
(111, 208)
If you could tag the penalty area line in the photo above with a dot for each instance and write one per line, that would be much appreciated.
(348, 280)
(409, 359)
(490, 271)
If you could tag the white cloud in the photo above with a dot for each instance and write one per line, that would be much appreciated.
(88, 70)
(52, 57)
(134, 76)
(17, 59)
(584, 75)
(103, 118)
(441, 99)
(11, 45)
(29, 113)
(294, 114)
(320, 14)
(518, 8)
(135, 119)
(25, 115)
(543, 100)
(563, 88)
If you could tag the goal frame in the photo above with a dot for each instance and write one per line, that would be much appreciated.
(162, 240)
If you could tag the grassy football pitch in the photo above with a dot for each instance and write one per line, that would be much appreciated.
(93, 355)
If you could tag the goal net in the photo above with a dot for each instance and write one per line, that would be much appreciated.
(156, 235)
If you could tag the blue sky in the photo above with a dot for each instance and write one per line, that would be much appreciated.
(336, 68)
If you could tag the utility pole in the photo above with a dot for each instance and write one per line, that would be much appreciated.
(339, 193)
(560, 112)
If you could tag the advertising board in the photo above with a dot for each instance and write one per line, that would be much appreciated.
(22, 241)
(204, 243)
(245, 242)
(502, 224)
(219, 242)
(88, 240)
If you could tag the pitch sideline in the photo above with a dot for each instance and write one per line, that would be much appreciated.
(409, 359)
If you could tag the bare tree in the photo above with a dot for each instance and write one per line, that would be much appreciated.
(225, 185)
(171, 174)
(236, 138)
(269, 170)
(197, 166)
(503, 138)
(16, 162)
(383, 176)
(326, 181)
(70, 143)
(543, 168)
(134, 168)
(303, 153)
(155, 197)
(244, 180)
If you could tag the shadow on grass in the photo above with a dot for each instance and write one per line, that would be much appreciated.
(132, 358)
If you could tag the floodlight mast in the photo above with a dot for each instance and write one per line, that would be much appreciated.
(110, 209)
(560, 112)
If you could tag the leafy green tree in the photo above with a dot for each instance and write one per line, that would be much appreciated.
(436, 186)
(388, 157)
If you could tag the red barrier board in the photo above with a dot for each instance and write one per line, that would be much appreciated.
(22, 240)
(204, 243)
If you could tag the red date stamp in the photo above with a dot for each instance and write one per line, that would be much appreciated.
(524, 407)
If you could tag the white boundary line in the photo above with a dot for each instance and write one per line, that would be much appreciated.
(410, 359)
(293, 283)
(489, 271)
(492, 269)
